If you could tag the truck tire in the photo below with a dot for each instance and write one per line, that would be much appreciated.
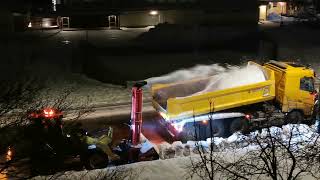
(96, 160)
(238, 124)
(193, 132)
(183, 138)
(294, 117)
(202, 130)
(188, 133)
(218, 128)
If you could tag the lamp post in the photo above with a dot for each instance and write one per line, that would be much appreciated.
(156, 13)
(281, 6)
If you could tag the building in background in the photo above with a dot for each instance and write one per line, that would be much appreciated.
(295, 8)
(140, 13)
(267, 7)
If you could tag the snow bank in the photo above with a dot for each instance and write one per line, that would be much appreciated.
(274, 17)
(300, 133)
(83, 89)
(156, 170)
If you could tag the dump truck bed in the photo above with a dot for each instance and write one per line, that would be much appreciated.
(186, 99)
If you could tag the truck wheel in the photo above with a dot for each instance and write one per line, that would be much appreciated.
(218, 129)
(294, 117)
(188, 134)
(193, 132)
(238, 124)
(96, 160)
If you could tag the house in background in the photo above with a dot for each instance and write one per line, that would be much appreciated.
(285, 7)
(141, 13)
(268, 7)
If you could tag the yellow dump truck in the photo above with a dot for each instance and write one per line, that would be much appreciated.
(286, 95)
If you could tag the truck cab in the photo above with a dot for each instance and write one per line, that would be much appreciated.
(295, 87)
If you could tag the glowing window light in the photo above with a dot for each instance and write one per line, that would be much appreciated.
(153, 13)
(54, 3)
(46, 24)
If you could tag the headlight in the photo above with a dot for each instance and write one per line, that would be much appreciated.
(10, 153)
(178, 127)
(92, 147)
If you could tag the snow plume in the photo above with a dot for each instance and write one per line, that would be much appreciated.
(235, 77)
(198, 71)
(209, 78)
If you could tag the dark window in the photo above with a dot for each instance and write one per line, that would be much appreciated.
(307, 84)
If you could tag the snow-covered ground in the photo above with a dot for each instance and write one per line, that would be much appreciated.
(84, 88)
(273, 17)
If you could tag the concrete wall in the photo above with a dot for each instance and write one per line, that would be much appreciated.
(227, 12)
(138, 19)
(209, 17)
(187, 17)
(43, 23)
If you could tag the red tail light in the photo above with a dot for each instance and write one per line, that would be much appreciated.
(315, 94)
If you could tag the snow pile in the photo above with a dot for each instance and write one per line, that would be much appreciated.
(169, 169)
(176, 149)
(274, 17)
(300, 133)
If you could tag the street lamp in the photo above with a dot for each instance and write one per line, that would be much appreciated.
(153, 13)
(156, 13)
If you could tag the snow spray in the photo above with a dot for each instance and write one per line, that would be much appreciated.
(219, 77)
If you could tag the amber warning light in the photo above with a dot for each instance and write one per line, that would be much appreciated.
(48, 113)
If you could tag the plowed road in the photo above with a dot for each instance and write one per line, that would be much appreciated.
(118, 116)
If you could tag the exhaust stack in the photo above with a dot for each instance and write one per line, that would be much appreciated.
(136, 111)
